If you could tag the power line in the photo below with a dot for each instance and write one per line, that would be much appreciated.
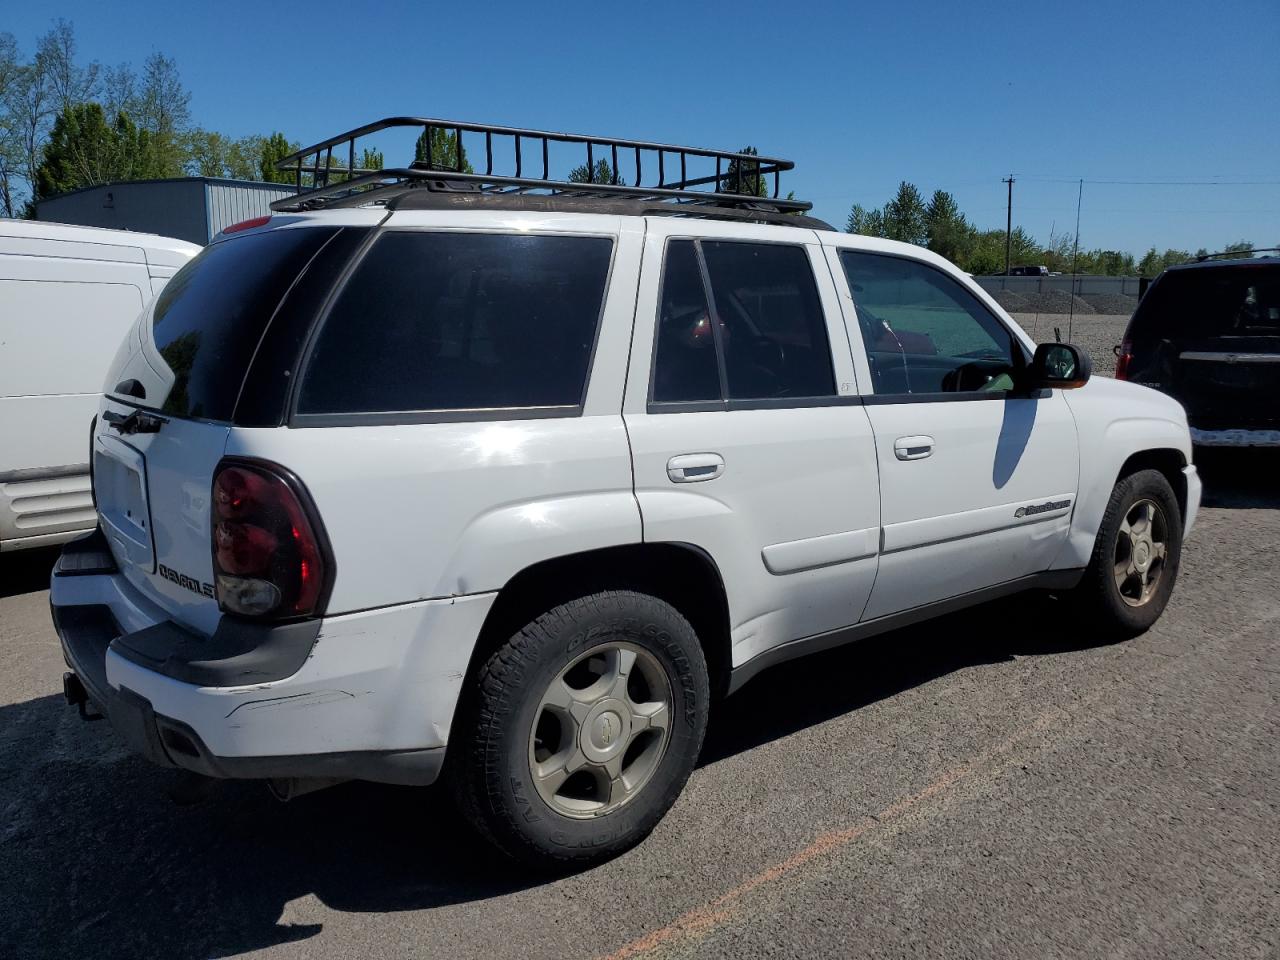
(1152, 183)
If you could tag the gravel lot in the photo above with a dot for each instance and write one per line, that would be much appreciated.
(995, 784)
(1096, 333)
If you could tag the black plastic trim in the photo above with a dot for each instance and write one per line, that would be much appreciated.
(1047, 580)
(86, 556)
(765, 403)
(394, 418)
(239, 652)
(264, 396)
(966, 396)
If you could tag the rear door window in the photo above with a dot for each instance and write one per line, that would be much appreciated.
(450, 322)
(210, 317)
(740, 321)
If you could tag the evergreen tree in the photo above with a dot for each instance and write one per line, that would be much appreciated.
(753, 184)
(904, 216)
(443, 152)
(601, 173)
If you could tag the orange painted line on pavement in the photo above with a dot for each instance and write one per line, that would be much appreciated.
(711, 915)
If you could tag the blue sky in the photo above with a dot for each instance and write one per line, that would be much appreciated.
(951, 95)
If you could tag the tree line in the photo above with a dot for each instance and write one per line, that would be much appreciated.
(939, 225)
(66, 125)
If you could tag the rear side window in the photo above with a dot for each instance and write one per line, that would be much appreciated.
(1225, 301)
(760, 319)
(210, 317)
(438, 321)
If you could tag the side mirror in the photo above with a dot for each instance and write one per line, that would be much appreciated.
(1060, 365)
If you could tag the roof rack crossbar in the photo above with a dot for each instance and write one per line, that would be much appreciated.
(318, 180)
(1238, 254)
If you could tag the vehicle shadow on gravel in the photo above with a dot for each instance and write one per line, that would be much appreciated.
(26, 571)
(1240, 479)
(104, 862)
(107, 856)
(826, 685)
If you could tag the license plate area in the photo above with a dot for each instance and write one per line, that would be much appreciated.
(120, 485)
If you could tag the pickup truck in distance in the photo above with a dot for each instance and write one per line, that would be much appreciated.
(507, 481)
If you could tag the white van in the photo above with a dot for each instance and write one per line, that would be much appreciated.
(67, 296)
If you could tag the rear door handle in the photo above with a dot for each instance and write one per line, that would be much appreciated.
(695, 467)
(913, 448)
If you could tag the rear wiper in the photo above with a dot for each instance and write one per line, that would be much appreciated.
(137, 422)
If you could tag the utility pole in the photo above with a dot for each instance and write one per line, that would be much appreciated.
(1008, 227)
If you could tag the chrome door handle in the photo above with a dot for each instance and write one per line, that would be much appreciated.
(913, 448)
(695, 467)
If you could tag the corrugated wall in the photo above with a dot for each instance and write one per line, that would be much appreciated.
(171, 208)
(229, 203)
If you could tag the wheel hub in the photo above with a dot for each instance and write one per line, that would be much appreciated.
(601, 730)
(606, 731)
(1140, 551)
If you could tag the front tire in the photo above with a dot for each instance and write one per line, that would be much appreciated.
(1135, 557)
(582, 729)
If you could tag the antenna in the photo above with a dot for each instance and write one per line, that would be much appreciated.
(1075, 260)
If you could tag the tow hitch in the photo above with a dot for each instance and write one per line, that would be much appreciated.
(77, 696)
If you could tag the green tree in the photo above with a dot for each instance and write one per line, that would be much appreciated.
(439, 147)
(1240, 250)
(949, 233)
(904, 216)
(84, 150)
(12, 73)
(272, 150)
(371, 159)
(600, 173)
(753, 184)
(869, 223)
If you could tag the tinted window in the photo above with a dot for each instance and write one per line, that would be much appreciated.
(1225, 301)
(773, 331)
(685, 365)
(210, 316)
(458, 321)
(925, 333)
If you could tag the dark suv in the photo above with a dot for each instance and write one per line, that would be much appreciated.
(1208, 334)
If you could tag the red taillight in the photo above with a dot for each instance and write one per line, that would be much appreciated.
(1123, 359)
(247, 224)
(268, 560)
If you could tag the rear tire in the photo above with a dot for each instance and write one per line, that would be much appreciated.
(582, 729)
(1135, 559)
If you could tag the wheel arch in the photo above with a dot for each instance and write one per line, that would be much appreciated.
(682, 574)
(1167, 461)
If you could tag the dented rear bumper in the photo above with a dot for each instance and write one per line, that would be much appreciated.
(367, 695)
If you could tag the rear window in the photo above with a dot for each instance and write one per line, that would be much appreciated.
(440, 321)
(1228, 301)
(210, 317)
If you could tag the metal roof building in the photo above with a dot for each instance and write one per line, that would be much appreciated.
(188, 208)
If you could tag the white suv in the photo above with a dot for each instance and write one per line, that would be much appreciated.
(541, 478)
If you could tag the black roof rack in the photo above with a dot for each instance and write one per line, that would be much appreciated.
(722, 193)
(1236, 254)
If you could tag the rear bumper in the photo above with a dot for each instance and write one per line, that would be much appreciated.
(1235, 438)
(372, 696)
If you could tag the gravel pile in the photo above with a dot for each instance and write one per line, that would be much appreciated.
(1054, 301)
(1116, 304)
(1013, 302)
